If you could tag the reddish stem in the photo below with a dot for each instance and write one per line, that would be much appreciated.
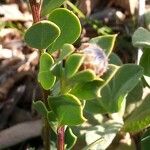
(36, 10)
(60, 138)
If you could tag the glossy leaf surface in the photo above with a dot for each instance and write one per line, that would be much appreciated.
(41, 108)
(49, 5)
(72, 64)
(70, 138)
(69, 25)
(141, 38)
(88, 90)
(105, 42)
(40, 35)
(67, 108)
(45, 76)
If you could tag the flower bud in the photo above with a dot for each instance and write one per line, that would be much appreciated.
(95, 58)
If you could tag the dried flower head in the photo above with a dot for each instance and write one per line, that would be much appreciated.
(95, 58)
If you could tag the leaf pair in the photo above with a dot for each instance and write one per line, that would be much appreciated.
(63, 27)
(67, 109)
(45, 76)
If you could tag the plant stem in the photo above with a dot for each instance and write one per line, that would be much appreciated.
(46, 137)
(36, 13)
(60, 138)
(36, 10)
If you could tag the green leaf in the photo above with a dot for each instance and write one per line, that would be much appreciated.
(133, 98)
(52, 120)
(73, 63)
(106, 42)
(140, 118)
(88, 90)
(47, 79)
(83, 76)
(112, 69)
(141, 38)
(135, 94)
(46, 62)
(51, 117)
(66, 50)
(57, 69)
(68, 109)
(45, 76)
(145, 140)
(69, 25)
(40, 35)
(145, 61)
(147, 80)
(70, 138)
(114, 59)
(49, 5)
(126, 75)
(125, 79)
(41, 108)
(94, 106)
(101, 136)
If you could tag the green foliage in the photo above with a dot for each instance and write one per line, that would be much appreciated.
(112, 69)
(83, 76)
(67, 108)
(145, 140)
(88, 90)
(69, 25)
(73, 88)
(145, 61)
(101, 136)
(114, 59)
(135, 94)
(141, 38)
(72, 64)
(45, 76)
(70, 138)
(41, 108)
(49, 5)
(140, 118)
(113, 93)
(106, 42)
(42, 34)
(65, 51)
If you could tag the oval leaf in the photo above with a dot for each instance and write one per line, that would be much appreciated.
(105, 42)
(46, 79)
(46, 62)
(68, 109)
(141, 38)
(73, 63)
(69, 25)
(66, 50)
(40, 35)
(41, 108)
(49, 5)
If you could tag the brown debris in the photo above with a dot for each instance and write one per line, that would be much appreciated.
(20, 133)
(9, 83)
